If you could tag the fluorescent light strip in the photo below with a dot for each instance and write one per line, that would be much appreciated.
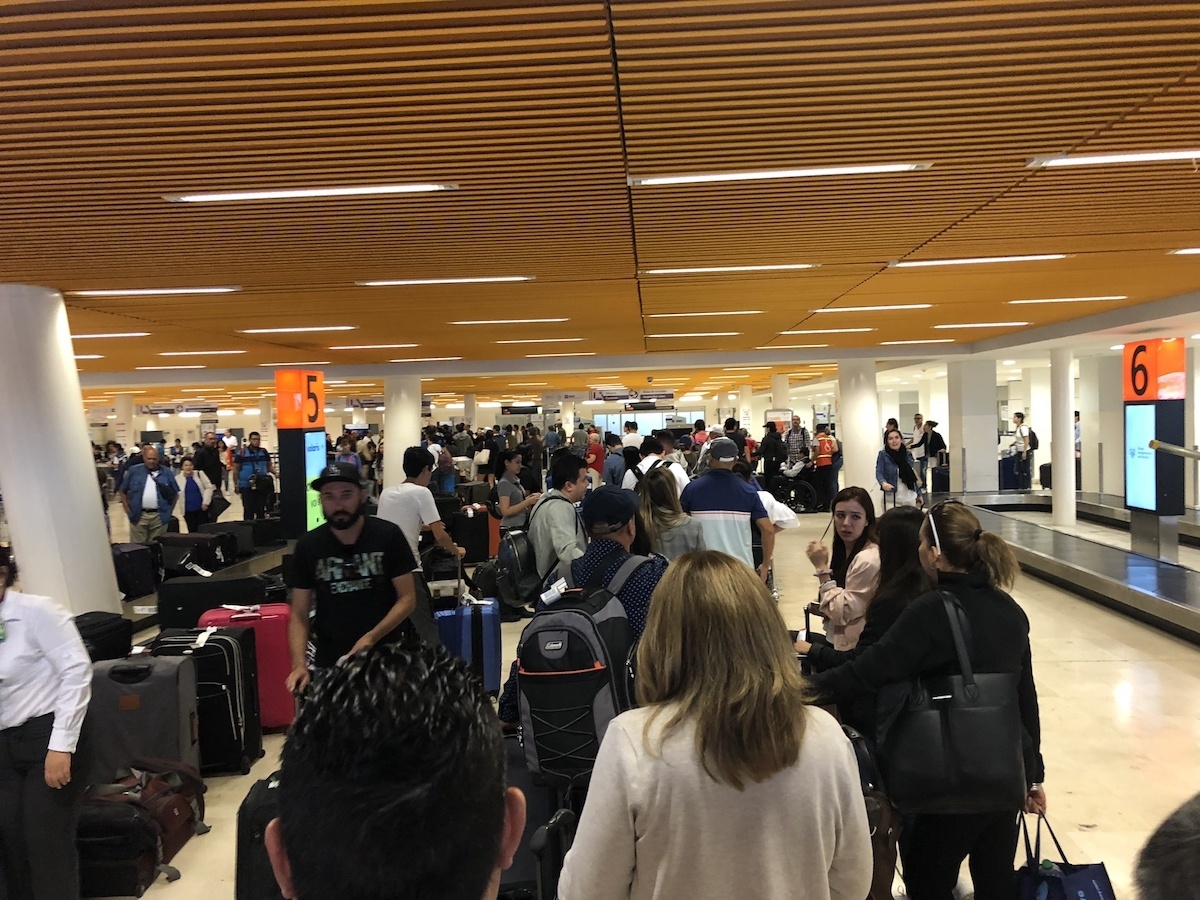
(983, 325)
(548, 355)
(746, 368)
(814, 172)
(304, 193)
(507, 321)
(1069, 300)
(541, 341)
(196, 390)
(900, 343)
(859, 309)
(792, 347)
(88, 356)
(153, 292)
(375, 347)
(292, 365)
(113, 334)
(708, 270)
(829, 331)
(530, 384)
(427, 359)
(163, 368)
(300, 330)
(1109, 159)
(202, 353)
(694, 315)
(1186, 251)
(919, 263)
(697, 334)
(491, 279)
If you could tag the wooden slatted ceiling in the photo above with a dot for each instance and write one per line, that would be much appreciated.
(108, 107)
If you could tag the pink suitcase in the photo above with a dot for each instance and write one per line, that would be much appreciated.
(270, 624)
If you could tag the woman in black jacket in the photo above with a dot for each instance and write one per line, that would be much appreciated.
(973, 565)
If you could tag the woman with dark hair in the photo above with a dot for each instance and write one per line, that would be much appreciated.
(896, 472)
(847, 581)
(973, 566)
(670, 531)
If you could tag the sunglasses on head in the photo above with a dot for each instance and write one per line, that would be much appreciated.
(937, 541)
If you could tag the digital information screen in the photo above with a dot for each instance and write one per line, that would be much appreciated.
(1141, 469)
(314, 462)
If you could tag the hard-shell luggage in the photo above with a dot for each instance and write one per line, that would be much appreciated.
(118, 847)
(472, 631)
(268, 531)
(230, 729)
(142, 707)
(181, 601)
(1045, 476)
(137, 568)
(471, 533)
(472, 492)
(276, 704)
(243, 533)
(255, 877)
(940, 479)
(447, 505)
(182, 554)
(105, 635)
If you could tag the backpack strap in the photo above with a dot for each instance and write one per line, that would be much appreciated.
(597, 579)
(625, 572)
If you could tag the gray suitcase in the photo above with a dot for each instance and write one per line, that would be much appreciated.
(142, 707)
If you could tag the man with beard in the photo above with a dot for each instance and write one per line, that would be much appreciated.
(358, 569)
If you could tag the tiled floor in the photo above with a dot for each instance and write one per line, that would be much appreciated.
(1120, 718)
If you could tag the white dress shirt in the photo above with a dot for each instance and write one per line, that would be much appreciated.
(44, 668)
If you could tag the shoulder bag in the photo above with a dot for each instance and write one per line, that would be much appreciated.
(954, 745)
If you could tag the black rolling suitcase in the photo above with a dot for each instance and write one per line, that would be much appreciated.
(268, 531)
(226, 693)
(940, 479)
(255, 878)
(521, 878)
(472, 492)
(1045, 475)
(105, 635)
(118, 845)
(182, 552)
(243, 533)
(181, 601)
(137, 567)
(447, 506)
(471, 533)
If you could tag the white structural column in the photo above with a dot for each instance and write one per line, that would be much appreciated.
(266, 423)
(1062, 428)
(1191, 427)
(402, 421)
(470, 413)
(1038, 415)
(124, 432)
(745, 412)
(568, 416)
(51, 498)
(1089, 422)
(1102, 417)
(780, 397)
(971, 431)
(859, 430)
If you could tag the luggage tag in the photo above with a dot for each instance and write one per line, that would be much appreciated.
(554, 593)
(202, 638)
(252, 608)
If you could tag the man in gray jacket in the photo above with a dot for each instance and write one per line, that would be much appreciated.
(555, 531)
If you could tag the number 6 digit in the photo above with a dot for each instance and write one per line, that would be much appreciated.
(1139, 376)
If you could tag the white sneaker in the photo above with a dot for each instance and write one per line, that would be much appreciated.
(964, 890)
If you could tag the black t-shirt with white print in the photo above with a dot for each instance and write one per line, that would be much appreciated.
(352, 584)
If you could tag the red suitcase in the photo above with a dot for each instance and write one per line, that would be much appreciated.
(270, 624)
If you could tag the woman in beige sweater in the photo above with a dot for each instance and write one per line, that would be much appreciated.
(846, 583)
(723, 783)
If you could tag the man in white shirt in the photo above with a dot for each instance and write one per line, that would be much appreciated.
(230, 439)
(632, 438)
(410, 506)
(652, 457)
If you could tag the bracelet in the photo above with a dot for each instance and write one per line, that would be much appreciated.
(821, 572)
(1036, 786)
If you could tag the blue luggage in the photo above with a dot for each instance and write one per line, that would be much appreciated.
(472, 631)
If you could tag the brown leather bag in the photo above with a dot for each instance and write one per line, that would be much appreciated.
(882, 817)
(171, 792)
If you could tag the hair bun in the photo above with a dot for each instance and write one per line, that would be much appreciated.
(978, 533)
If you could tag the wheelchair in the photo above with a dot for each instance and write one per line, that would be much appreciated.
(797, 492)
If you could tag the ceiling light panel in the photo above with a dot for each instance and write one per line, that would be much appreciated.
(375, 347)
(773, 174)
(298, 329)
(861, 309)
(485, 279)
(1070, 160)
(310, 193)
(153, 292)
(974, 260)
(828, 331)
(1106, 298)
(695, 315)
(721, 270)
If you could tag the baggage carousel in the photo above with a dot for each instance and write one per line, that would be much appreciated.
(1158, 593)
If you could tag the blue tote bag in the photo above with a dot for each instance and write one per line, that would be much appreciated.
(1042, 879)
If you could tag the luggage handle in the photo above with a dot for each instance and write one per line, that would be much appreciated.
(131, 674)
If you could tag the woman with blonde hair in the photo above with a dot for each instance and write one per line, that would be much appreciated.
(671, 531)
(724, 782)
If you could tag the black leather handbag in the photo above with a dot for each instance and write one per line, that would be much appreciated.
(954, 746)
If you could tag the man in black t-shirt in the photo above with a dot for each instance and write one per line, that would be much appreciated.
(358, 569)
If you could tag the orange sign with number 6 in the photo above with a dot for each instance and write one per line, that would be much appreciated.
(1155, 370)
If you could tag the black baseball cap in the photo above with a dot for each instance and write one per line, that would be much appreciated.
(610, 506)
(343, 472)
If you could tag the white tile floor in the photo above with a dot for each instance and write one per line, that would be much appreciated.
(1120, 722)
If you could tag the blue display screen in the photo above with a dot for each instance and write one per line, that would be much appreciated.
(314, 462)
(1141, 469)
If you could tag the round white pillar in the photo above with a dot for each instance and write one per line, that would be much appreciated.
(402, 421)
(469, 410)
(1062, 426)
(51, 498)
(123, 427)
(780, 396)
(859, 431)
(745, 414)
(568, 416)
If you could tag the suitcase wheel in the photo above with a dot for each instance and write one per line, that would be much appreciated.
(171, 872)
(245, 768)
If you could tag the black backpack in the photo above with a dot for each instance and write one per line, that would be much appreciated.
(573, 674)
(1033, 440)
(638, 474)
(518, 579)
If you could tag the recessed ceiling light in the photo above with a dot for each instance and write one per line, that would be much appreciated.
(252, 411)
(899, 343)
(88, 356)
(746, 368)
(487, 279)
(1109, 159)
(1117, 347)
(710, 270)
(1070, 299)
(1186, 251)
(153, 292)
(1196, 337)
(161, 368)
(329, 409)
(696, 334)
(305, 193)
(427, 359)
(856, 309)
(829, 331)
(374, 347)
(983, 325)
(292, 365)
(529, 384)
(573, 340)
(792, 347)
(545, 355)
(298, 330)
(202, 353)
(813, 172)
(113, 334)
(194, 390)
(694, 315)
(1008, 362)
(917, 263)
(507, 321)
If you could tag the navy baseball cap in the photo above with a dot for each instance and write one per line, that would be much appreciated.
(609, 505)
(343, 472)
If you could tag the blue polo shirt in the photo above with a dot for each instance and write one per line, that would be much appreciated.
(727, 507)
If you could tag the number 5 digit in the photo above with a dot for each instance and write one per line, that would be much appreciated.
(309, 381)
(1139, 376)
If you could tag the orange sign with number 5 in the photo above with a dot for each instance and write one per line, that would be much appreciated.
(300, 398)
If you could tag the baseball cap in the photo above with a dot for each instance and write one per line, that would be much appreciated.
(723, 450)
(609, 505)
(337, 472)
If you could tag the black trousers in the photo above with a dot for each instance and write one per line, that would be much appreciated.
(254, 505)
(935, 846)
(422, 615)
(37, 823)
(825, 482)
(195, 519)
